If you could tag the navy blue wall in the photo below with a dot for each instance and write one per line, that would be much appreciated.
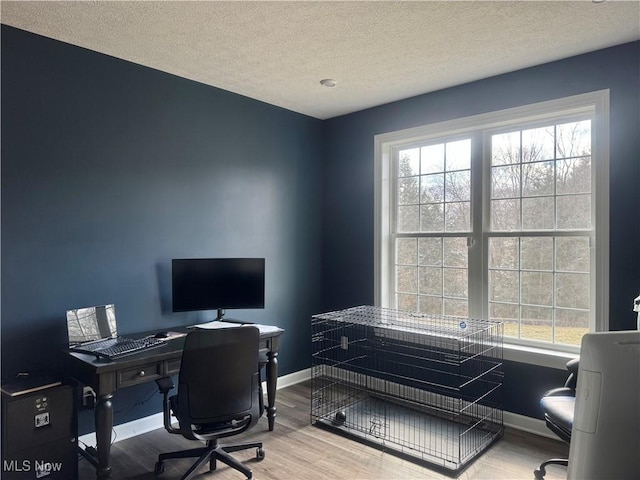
(348, 205)
(110, 169)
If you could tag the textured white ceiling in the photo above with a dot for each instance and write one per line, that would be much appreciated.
(377, 51)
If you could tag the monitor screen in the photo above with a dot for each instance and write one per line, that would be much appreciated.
(217, 283)
(91, 323)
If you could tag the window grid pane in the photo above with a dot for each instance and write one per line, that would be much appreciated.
(433, 196)
(539, 286)
(431, 275)
(541, 178)
(433, 188)
(539, 183)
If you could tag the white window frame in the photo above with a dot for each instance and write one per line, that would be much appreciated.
(595, 103)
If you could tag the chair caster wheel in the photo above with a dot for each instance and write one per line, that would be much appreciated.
(260, 453)
(539, 473)
(159, 468)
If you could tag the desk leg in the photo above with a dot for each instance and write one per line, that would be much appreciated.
(272, 380)
(104, 425)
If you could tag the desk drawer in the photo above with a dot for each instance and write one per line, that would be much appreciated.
(140, 374)
(173, 366)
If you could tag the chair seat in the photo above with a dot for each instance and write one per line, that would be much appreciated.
(559, 411)
(224, 429)
(558, 405)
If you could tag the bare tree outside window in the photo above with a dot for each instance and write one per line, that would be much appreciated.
(502, 216)
(541, 184)
(433, 197)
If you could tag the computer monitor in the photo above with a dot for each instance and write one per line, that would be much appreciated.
(217, 284)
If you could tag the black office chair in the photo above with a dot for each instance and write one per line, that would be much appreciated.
(558, 406)
(218, 396)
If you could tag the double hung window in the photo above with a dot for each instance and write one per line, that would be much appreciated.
(501, 216)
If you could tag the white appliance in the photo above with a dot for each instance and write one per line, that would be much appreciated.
(605, 440)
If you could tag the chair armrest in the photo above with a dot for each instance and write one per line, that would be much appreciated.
(165, 384)
(572, 367)
(560, 392)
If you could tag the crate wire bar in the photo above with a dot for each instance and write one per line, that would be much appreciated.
(426, 387)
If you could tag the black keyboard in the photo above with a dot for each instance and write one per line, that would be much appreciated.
(112, 348)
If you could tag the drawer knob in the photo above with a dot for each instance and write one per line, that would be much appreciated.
(141, 373)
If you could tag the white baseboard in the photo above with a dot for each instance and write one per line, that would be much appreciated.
(527, 424)
(128, 430)
(153, 422)
(292, 379)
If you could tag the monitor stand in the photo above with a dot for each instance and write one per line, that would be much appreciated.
(220, 318)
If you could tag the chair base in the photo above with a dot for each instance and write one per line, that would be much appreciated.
(211, 453)
(541, 471)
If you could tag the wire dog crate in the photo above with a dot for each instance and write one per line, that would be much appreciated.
(425, 387)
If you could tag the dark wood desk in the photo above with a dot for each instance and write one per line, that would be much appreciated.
(105, 377)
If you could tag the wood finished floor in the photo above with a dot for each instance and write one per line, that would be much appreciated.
(298, 450)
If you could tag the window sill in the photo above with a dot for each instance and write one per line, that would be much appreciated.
(537, 356)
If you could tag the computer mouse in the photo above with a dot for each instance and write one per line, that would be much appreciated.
(161, 335)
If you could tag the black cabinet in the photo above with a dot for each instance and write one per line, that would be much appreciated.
(39, 435)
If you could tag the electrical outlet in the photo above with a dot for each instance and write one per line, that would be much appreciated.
(88, 397)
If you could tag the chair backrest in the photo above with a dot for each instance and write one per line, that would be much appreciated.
(219, 376)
